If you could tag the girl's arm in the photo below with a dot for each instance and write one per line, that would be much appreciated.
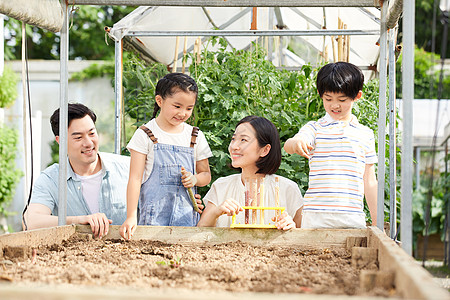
(370, 191)
(203, 172)
(137, 166)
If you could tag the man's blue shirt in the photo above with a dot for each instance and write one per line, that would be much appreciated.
(112, 198)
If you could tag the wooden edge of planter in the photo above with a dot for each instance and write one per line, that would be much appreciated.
(411, 280)
(36, 237)
(257, 237)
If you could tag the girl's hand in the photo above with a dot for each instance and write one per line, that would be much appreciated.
(284, 222)
(303, 148)
(128, 228)
(187, 178)
(229, 207)
(200, 205)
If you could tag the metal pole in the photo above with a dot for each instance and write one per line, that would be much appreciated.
(118, 92)
(392, 137)
(319, 32)
(407, 149)
(63, 120)
(418, 153)
(382, 118)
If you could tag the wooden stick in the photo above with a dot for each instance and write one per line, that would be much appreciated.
(198, 49)
(348, 48)
(333, 46)
(344, 44)
(277, 196)
(254, 184)
(254, 26)
(261, 201)
(339, 41)
(183, 67)
(175, 58)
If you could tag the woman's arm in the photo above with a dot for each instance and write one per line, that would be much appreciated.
(212, 212)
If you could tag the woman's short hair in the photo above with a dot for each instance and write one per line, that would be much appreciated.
(266, 134)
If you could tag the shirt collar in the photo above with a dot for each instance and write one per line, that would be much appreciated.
(327, 119)
(71, 173)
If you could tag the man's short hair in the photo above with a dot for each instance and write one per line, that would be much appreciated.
(340, 77)
(74, 111)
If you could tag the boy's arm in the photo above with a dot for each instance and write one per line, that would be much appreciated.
(370, 191)
(299, 146)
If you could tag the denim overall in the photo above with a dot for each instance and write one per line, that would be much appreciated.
(163, 200)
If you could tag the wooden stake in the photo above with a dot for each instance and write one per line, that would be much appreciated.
(199, 49)
(344, 44)
(348, 48)
(339, 41)
(175, 58)
(183, 67)
(254, 26)
(333, 46)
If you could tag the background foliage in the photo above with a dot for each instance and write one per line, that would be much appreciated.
(8, 87)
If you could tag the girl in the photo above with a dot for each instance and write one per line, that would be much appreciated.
(255, 149)
(159, 149)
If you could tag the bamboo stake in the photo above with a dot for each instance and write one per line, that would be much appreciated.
(344, 44)
(339, 41)
(333, 46)
(199, 45)
(348, 48)
(175, 58)
(183, 66)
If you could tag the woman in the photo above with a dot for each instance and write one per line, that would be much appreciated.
(255, 149)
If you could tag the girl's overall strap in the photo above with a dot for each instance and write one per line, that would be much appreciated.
(194, 136)
(150, 134)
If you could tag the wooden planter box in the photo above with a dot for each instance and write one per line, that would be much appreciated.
(411, 281)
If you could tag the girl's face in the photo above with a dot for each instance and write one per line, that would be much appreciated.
(244, 148)
(175, 109)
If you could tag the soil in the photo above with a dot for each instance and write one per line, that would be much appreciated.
(233, 266)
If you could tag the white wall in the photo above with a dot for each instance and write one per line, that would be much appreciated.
(97, 94)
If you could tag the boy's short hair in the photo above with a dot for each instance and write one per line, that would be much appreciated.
(74, 111)
(266, 134)
(340, 77)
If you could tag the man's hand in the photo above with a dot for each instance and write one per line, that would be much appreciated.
(99, 223)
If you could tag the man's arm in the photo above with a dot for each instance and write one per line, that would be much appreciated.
(370, 191)
(40, 216)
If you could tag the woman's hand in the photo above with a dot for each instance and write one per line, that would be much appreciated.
(284, 222)
(229, 207)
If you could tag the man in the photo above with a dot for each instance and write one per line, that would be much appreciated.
(96, 182)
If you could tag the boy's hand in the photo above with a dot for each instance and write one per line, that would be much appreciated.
(128, 228)
(303, 148)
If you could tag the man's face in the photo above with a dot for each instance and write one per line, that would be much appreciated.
(82, 142)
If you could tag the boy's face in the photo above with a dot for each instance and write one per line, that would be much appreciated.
(338, 105)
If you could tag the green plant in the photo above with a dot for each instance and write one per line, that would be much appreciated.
(173, 263)
(8, 87)
(9, 174)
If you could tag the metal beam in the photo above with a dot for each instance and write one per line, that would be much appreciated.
(119, 93)
(254, 32)
(63, 118)
(382, 120)
(407, 138)
(234, 3)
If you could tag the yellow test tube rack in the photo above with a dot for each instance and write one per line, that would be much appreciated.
(256, 225)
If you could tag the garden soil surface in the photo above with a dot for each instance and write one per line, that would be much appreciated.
(233, 266)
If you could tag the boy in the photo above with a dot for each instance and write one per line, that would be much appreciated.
(341, 154)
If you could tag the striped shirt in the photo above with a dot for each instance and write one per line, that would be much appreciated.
(337, 164)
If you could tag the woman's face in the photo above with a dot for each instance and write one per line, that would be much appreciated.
(244, 148)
